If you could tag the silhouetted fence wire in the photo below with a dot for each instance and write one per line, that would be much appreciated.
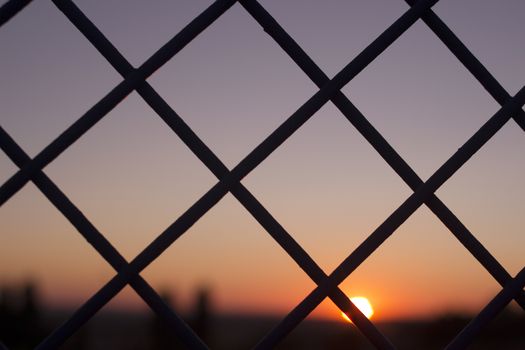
(229, 180)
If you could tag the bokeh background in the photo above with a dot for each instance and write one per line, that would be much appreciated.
(132, 177)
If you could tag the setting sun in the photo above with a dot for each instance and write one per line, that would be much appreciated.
(363, 305)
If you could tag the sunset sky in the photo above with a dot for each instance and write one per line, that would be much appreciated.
(132, 177)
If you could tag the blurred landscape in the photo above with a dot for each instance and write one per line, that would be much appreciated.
(128, 176)
(24, 323)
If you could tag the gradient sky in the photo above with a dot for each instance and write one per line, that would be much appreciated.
(132, 177)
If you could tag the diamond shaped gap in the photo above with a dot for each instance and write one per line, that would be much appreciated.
(487, 195)
(327, 185)
(144, 179)
(230, 255)
(40, 246)
(421, 99)
(346, 29)
(139, 29)
(51, 75)
(421, 272)
(419, 278)
(233, 85)
(492, 33)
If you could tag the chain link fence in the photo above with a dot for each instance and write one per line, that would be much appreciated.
(134, 79)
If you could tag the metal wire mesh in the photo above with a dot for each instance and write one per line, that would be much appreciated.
(229, 180)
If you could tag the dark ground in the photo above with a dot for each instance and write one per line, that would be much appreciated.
(24, 323)
(120, 330)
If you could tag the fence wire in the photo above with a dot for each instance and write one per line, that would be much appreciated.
(134, 79)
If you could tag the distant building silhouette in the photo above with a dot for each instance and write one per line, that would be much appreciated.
(201, 319)
(20, 316)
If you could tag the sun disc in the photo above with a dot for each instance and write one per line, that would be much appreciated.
(363, 305)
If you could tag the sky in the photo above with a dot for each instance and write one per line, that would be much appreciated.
(132, 176)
